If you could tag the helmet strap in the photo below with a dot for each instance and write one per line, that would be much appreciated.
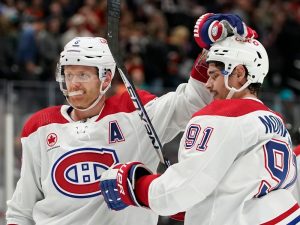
(88, 108)
(232, 90)
(101, 94)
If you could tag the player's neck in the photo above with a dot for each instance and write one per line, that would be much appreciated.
(244, 94)
(77, 115)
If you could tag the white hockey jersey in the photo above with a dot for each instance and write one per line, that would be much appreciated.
(63, 160)
(232, 154)
(296, 190)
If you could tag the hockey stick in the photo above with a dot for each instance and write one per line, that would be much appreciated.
(114, 13)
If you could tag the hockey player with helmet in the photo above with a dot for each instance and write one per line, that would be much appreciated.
(236, 163)
(67, 148)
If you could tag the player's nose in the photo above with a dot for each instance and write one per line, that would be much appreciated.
(209, 83)
(75, 85)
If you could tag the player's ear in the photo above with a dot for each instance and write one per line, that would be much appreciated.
(107, 79)
(241, 73)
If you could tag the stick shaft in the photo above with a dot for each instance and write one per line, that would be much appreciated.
(114, 13)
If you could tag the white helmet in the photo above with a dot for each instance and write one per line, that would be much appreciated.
(233, 51)
(86, 51)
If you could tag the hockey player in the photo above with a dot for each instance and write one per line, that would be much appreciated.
(296, 142)
(66, 148)
(236, 164)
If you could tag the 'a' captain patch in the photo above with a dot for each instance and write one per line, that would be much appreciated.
(115, 133)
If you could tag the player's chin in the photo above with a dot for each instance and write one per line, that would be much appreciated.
(219, 97)
(78, 102)
(215, 95)
(77, 99)
(80, 106)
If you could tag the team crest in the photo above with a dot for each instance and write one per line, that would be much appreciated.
(77, 173)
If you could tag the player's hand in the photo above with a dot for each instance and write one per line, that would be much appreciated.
(117, 184)
(211, 27)
(199, 70)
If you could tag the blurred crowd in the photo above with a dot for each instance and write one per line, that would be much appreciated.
(155, 36)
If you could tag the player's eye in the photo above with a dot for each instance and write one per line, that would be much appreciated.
(215, 76)
(68, 77)
(84, 76)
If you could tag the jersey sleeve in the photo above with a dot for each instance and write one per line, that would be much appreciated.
(28, 189)
(208, 148)
(171, 112)
(296, 188)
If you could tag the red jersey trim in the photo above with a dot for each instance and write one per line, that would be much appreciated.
(123, 103)
(297, 150)
(282, 216)
(115, 104)
(232, 108)
(42, 118)
(142, 188)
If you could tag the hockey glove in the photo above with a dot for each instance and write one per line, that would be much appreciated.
(199, 70)
(117, 184)
(211, 28)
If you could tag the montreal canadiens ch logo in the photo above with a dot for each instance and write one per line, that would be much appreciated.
(77, 172)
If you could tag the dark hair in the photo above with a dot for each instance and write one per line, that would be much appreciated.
(219, 65)
(254, 88)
